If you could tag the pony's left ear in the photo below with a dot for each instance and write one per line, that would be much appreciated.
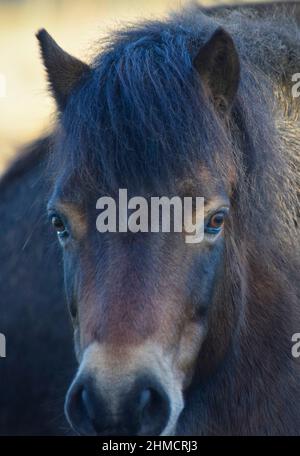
(218, 65)
(64, 71)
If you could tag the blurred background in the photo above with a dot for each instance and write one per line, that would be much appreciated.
(25, 106)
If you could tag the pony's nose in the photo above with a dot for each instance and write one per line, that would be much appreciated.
(145, 410)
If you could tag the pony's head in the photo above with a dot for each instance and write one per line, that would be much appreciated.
(152, 115)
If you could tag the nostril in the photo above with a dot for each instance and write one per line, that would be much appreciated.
(145, 410)
(88, 404)
(79, 410)
(150, 402)
(145, 398)
(154, 410)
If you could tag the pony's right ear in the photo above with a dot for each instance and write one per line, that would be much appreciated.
(63, 70)
(218, 65)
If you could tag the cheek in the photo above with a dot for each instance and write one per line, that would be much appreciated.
(189, 346)
(72, 280)
(202, 283)
(205, 275)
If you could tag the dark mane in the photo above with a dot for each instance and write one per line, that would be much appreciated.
(135, 108)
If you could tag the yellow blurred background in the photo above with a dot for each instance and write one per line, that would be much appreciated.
(26, 107)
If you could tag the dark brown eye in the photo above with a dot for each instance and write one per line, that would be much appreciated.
(215, 223)
(58, 224)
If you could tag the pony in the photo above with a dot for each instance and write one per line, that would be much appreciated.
(173, 338)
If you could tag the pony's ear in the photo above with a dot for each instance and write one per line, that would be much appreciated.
(64, 71)
(218, 65)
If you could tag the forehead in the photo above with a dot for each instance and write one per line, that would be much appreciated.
(73, 191)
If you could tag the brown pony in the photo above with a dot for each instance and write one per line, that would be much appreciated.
(177, 338)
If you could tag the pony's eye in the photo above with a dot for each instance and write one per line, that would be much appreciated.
(58, 225)
(215, 223)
